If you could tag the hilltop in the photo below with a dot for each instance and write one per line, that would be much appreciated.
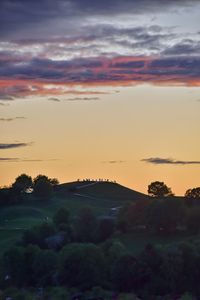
(100, 189)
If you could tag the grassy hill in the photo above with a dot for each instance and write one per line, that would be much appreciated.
(100, 196)
(105, 190)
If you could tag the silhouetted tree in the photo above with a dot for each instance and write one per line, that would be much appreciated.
(150, 260)
(43, 186)
(136, 213)
(44, 267)
(61, 217)
(165, 215)
(8, 196)
(22, 183)
(122, 222)
(85, 225)
(30, 254)
(37, 234)
(52, 181)
(82, 265)
(105, 229)
(192, 195)
(159, 189)
(124, 273)
(14, 266)
(193, 220)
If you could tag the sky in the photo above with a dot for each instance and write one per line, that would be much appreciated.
(101, 89)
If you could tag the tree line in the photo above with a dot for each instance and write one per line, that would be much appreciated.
(41, 187)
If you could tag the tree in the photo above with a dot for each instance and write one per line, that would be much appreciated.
(30, 254)
(54, 181)
(112, 249)
(171, 271)
(81, 265)
(37, 234)
(8, 196)
(136, 213)
(159, 189)
(106, 227)
(85, 225)
(45, 267)
(192, 195)
(43, 186)
(190, 270)
(14, 265)
(22, 183)
(61, 217)
(124, 273)
(165, 215)
(193, 220)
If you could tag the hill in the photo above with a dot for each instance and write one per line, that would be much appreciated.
(100, 196)
(98, 189)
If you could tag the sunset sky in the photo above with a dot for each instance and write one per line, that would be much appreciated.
(101, 89)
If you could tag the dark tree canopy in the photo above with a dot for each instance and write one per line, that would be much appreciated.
(22, 183)
(123, 273)
(105, 228)
(193, 193)
(81, 265)
(43, 186)
(193, 220)
(52, 181)
(165, 215)
(85, 225)
(44, 267)
(159, 189)
(61, 217)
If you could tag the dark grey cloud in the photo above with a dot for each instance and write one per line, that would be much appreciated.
(11, 119)
(43, 69)
(13, 145)
(8, 159)
(131, 65)
(19, 16)
(185, 63)
(88, 70)
(39, 160)
(4, 96)
(185, 47)
(83, 99)
(15, 159)
(169, 161)
(54, 99)
(114, 162)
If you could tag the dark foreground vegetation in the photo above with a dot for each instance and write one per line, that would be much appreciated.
(82, 256)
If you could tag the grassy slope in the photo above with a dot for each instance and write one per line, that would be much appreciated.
(16, 218)
(112, 191)
(101, 197)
